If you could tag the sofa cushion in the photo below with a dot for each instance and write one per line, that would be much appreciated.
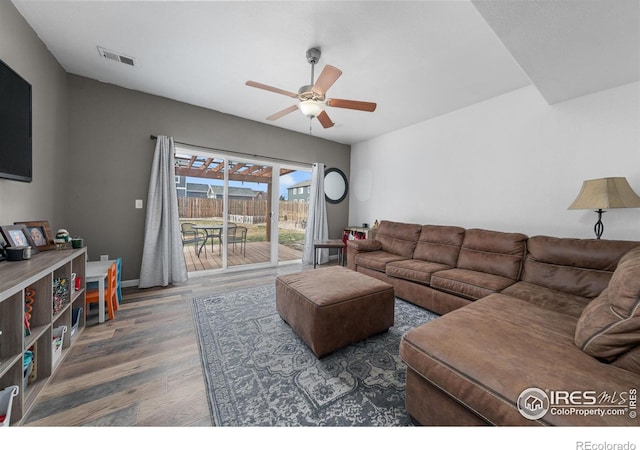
(629, 361)
(550, 299)
(439, 244)
(414, 270)
(377, 260)
(493, 252)
(610, 325)
(398, 238)
(486, 367)
(469, 284)
(581, 267)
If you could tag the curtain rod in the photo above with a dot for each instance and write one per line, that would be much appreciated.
(154, 137)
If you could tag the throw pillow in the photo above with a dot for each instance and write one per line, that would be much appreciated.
(610, 325)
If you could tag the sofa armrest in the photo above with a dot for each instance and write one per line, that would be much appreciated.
(360, 246)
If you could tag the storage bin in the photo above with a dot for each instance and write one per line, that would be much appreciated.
(27, 373)
(27, 368)
(56, 343)
(34, 369)
(6, 400)
(75, 319)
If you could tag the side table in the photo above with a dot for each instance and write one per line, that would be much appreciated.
(330, 243)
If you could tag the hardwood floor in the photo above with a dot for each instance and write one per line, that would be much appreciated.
(142, 368)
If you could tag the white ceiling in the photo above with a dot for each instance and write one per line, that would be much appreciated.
(417, 60)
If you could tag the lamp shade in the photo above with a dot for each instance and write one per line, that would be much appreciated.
(311, 108)
(606, 193)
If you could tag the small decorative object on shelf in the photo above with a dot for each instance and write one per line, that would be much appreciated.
(60, 293)
(376, 224)
(62, 239)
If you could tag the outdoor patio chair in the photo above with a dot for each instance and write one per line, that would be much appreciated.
(192, 236)
(237, 235)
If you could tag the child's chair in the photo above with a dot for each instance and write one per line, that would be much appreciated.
(119, 278)
(110, 293)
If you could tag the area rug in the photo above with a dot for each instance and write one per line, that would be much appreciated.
(260, 373)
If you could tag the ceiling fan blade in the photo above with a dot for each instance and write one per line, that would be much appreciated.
(255, 84)
(284, 112)
(327, 77)
(351, 104)
(324, 120)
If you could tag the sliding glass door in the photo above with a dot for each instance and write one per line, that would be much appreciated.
(293, 210)
(238, 211)
(248, 210)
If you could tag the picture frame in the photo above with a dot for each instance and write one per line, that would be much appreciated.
(17, 236)
(40, 233)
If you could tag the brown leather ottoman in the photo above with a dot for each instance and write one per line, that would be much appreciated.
(332, 307)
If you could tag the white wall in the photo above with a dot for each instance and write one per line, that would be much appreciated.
(511, 163)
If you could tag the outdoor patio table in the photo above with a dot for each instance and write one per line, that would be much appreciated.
(211, 232)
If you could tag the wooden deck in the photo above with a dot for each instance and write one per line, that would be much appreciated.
(256, 252)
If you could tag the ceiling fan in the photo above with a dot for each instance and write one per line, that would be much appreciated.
(312, 97)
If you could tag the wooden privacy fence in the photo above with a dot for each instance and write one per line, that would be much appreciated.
(244, 211)
(294, 211)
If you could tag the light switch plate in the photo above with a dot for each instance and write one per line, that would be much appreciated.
(138, 204)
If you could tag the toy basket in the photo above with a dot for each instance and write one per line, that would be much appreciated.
(75, 319)
(56, 343)
(6, 400)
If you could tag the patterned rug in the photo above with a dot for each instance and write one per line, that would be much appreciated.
(260, 373)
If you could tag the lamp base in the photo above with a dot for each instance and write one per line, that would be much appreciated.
(599, 226)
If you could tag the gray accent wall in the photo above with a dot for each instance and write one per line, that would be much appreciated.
(92, 152)
(45, 197)
(111, 154)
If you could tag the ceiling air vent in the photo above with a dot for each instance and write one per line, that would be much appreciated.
(114, 56)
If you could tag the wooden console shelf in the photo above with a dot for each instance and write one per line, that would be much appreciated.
(358, 233)
(38, 277)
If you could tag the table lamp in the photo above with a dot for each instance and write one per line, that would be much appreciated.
(605, 193)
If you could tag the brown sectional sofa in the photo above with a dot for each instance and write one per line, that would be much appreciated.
(558, 314)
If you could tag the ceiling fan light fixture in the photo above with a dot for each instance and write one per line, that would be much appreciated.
(311, 108)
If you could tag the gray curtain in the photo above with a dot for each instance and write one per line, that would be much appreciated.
(162, 258)
(317, 226)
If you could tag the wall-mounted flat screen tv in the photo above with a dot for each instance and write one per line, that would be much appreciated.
(15, 126)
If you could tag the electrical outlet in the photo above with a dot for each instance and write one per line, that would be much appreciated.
(104, 257)
(138, 204)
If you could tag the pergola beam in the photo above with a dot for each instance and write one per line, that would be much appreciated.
(213, 169)
(220, 175)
